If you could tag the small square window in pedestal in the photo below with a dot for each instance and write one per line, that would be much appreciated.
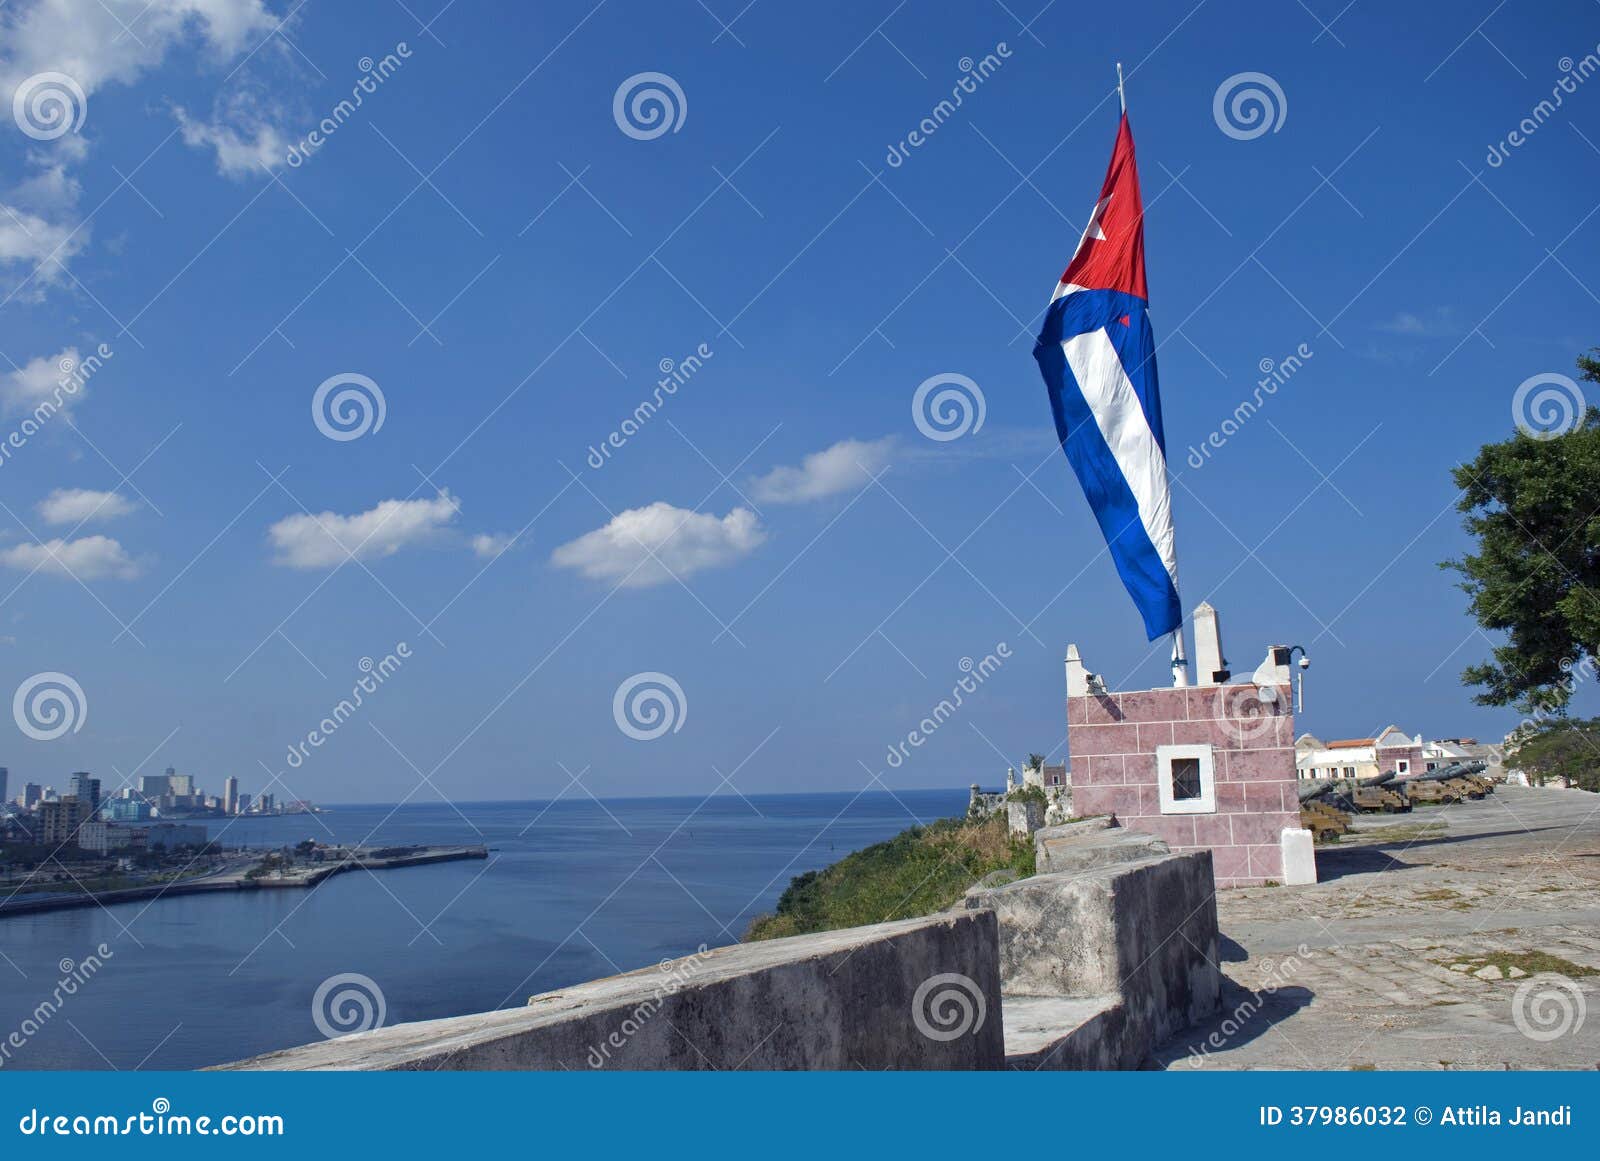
(1186, 779)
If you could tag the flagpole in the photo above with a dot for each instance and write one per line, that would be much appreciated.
(1180, 663)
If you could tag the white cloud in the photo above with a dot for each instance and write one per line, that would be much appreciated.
(1437, 322)
(76, 505)
(844, 467)
(95, 43)
(242, 150)
(38, 381)
(683, 542)
(30, 240)
(488, 546)
(86, 558)
(89, 42)
(306, 541)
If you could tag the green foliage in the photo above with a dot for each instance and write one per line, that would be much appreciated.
(1530, 504)
(1035, 761)
(266, 866)
(918, 872)
(1028, 794)
(1566, 748)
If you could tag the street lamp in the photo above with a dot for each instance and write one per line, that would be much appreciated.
(1300, 678)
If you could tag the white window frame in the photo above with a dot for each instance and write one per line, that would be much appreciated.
(1402, 766)
(1207, 802)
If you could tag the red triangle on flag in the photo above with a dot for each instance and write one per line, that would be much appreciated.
(1110, 255)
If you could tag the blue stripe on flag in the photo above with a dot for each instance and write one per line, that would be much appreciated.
(1104, 480)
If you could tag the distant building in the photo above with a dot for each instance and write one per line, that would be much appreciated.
(244, 804)
(1392, 751)
(59, 821)
(127, 810)
(85, 787)
(32, 794)
(230, 796)
(181, 785)
(154, 787)
(104, 837)
(265, 803)
(5, 781)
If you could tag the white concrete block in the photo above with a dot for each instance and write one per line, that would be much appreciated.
(1299, 857)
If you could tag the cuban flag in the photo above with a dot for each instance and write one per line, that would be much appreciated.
(1099, 364)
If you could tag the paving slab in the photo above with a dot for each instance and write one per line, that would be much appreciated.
(1356, 971)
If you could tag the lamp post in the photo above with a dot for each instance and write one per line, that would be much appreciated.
(1300, 678)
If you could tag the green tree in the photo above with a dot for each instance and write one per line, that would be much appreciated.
(1567, 749)
(1533, 506)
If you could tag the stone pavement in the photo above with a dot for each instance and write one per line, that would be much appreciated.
(1463, 936)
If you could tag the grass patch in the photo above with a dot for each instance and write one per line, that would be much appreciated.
(1531, 962)
(1403, 832)
(1438, 895)
(918, 872)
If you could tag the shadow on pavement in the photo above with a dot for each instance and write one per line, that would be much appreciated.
(1245, 1016)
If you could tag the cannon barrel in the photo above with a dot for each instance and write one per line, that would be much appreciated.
(1318, 787)
(1454, 770)
(1315, 788)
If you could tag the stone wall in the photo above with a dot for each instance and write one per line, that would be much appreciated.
(884, 996)
(1102, 961)
(1089, 966)
(1114, 738)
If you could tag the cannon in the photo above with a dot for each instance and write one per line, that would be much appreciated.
(1325, 822)
(1453, 783)
(1374, 799)
(1349, 795)
(1448, 784)
(1432, 790)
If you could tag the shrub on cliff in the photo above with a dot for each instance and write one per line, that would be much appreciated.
(919, 871)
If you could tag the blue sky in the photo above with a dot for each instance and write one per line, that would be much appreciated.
(483, 241)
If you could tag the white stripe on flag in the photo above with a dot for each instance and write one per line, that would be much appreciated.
(1111, 397)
